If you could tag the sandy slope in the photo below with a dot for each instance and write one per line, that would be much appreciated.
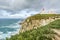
(57, 35)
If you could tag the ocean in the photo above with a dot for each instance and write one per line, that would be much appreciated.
(9, 27)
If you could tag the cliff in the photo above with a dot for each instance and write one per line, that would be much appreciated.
(37, 21)
(47, 32)
(39, 27)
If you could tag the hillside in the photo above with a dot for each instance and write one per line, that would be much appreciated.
(41, 27)
(42, 16)
(47, 32)
(38, 20)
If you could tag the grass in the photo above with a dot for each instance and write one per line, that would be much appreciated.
(55, 24)
(42, 33)
(42, 16)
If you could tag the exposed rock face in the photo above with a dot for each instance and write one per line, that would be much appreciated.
(34, 24)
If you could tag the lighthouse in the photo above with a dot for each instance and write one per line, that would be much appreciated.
(43, 11)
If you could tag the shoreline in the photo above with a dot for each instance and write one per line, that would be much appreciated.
(10, 33)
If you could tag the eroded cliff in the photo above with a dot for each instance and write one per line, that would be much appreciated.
(38, 20)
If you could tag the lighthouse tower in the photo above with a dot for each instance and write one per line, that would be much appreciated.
(43, 11)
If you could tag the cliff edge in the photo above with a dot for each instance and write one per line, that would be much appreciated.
(39, 27)
(37, 21)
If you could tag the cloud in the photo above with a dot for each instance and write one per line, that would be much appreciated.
(20, 4)
(28, 4)
(20, 14)
(54, 4)
(25, 8)
(23, 13)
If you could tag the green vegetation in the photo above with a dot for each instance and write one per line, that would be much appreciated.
(42, 33)
(42, 16)
(55, 24)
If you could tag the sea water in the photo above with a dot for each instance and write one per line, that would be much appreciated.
(9, 27)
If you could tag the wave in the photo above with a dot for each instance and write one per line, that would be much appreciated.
(8, 33)
(14, 25)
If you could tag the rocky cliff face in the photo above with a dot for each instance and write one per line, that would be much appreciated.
(34, 24)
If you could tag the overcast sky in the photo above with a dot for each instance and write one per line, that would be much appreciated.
(16, 8)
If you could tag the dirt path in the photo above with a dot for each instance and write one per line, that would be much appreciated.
(57, 35)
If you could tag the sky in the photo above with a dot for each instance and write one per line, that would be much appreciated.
(25, 8)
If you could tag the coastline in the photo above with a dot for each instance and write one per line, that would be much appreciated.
(32, 25)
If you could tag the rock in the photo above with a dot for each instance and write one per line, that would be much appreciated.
(34, 24)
